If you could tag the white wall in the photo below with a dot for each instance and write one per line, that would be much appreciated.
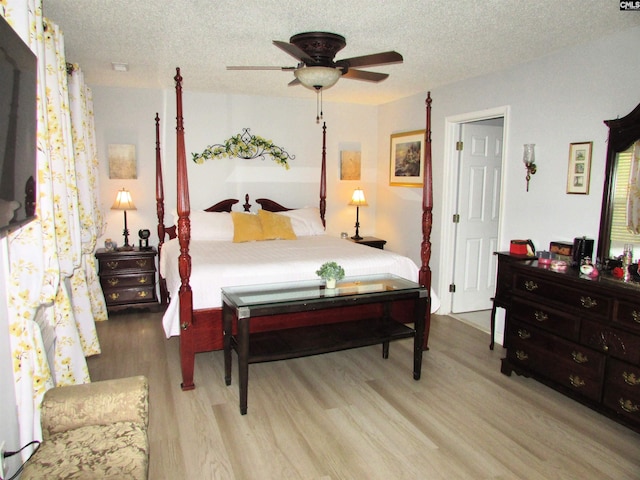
(553, 101)
(126, 116)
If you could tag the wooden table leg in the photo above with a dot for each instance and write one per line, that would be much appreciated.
(226, 323)
(418, 340)
(243, 362)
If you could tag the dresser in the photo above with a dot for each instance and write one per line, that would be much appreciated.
(128, 278)
(578, 335)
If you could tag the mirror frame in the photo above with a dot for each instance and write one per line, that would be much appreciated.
(623, 132)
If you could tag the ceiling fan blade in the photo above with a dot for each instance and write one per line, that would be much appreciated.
(260, 68)
(383, 58)
(364, 75)
(295, 52)
(294, 82)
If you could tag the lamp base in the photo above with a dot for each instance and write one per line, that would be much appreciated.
(125, 248)
(356, 237)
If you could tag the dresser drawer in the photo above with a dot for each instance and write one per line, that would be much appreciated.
(122, 281)
(622, 389)
(628, 315)
(585, 302)
(578, 358)
(130, 295)
(614, 342)
(583, 380)
(546, 318)
(137, 264)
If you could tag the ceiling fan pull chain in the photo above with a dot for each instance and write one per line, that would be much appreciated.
(318, 107)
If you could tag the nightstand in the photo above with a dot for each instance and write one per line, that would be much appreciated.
(371, 242)
(128, 277)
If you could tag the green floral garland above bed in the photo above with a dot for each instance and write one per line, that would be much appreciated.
(246, 146)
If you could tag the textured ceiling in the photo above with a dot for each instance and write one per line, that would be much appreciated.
(442, 41)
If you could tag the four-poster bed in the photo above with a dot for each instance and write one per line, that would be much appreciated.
(197, 319)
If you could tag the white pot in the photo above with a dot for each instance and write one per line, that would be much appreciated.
(331, 283)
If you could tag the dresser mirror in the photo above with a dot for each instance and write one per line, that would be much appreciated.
(623, 147)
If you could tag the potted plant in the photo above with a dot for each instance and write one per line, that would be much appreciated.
(330, 272)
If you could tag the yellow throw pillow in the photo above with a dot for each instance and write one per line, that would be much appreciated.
(246, 227)
(276, 227)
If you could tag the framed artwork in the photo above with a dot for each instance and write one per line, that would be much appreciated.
(122, 161)
(579, 168)
(349, 165)
(406, 166)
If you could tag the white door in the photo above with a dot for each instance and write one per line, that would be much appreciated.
(478, 211)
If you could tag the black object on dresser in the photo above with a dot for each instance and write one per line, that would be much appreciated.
(578, 335)
(371, 242)
(128, 277)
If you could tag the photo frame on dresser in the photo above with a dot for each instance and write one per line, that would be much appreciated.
(579, 168)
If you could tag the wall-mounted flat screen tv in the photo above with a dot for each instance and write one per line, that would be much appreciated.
(18, 125)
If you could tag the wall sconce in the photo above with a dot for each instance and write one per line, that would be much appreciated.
(358, 200)
(124, 202)
(529, 159)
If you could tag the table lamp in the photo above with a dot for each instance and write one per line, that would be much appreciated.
(124, 202)
(358, 200)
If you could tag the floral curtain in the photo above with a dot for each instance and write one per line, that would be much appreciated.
(52, 275)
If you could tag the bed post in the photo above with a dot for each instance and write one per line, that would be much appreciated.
(187, 353)
(323, 175)
(424, 275)
(164, 295)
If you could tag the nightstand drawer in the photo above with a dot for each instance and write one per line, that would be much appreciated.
(115, 264)
(122, 281)
(130, 295)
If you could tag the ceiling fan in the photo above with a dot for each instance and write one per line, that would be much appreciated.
(317, 69)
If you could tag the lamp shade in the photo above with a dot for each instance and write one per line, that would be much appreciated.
(358, 199)
(318, 77)
(123, 201)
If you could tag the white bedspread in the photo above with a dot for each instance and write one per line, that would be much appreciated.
(220, 264)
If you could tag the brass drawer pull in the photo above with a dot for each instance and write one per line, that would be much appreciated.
(141, 263)
(523, 334)
(540, 316)
(143, 294)
(520, 355)
(112, 265)
(576, 381)
(636, 316)
(143, 280)
(530, 285)
(114, 296)
(579, 357)
(113, 282)
(631, 379)
(588, 302)
(628, 406)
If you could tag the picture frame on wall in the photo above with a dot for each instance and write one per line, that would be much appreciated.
(350, 165)
(406, 164)
(579, 168)
(122, 161)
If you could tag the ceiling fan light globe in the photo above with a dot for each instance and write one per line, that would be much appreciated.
(318, 77)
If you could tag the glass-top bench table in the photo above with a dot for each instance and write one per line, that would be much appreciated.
(360, 311)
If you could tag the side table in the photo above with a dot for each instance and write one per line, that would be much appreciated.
(371, 242)
(127, 277)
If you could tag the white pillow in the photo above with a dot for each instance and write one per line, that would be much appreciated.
(216, 226)
(305, 221)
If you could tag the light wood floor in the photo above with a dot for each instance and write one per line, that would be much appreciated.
(353, 415)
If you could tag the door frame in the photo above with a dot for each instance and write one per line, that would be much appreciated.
(450, 191)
